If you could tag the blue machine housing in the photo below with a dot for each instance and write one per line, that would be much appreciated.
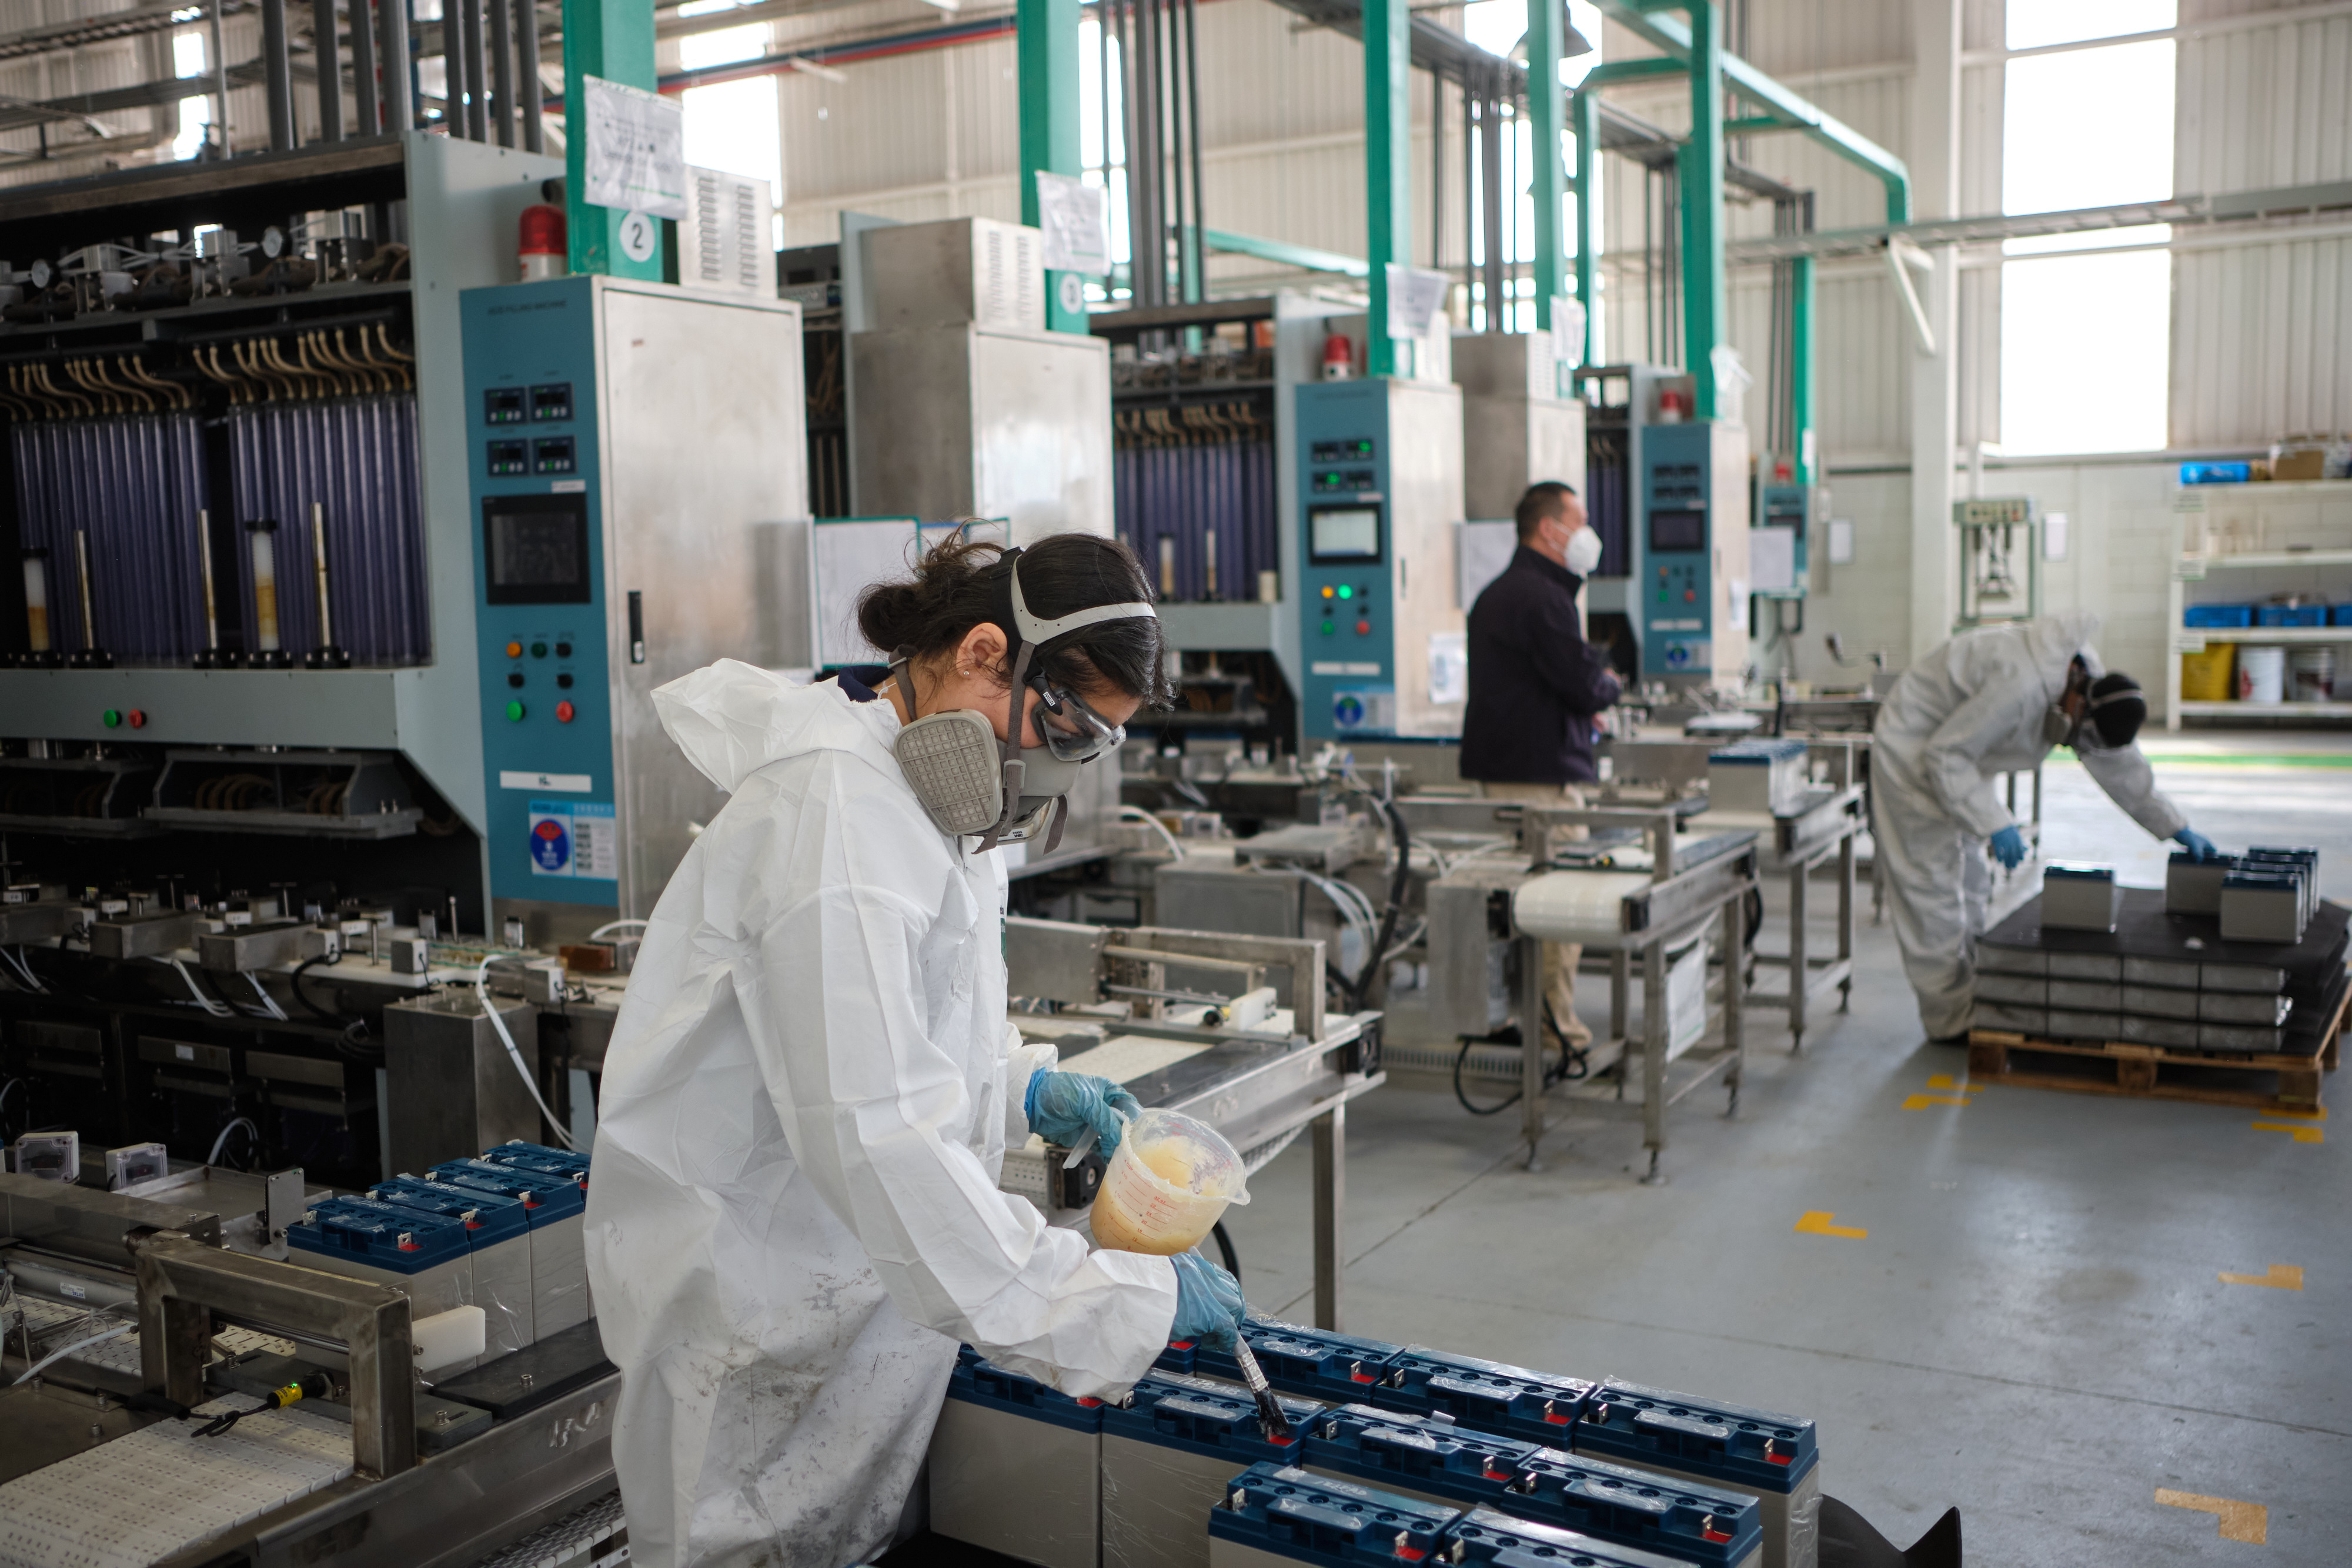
(1332, 1367)
(487, 1217)
(980, 1382)
(1754, 1450)
(1202, 1417)
(540, 602)
(381, 1235)
(1484, 1396)
(1483, 1536)
(1347, 630)
(1289, 1514)
(544, 1201)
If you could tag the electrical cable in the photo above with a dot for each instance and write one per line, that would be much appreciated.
(303, 996)
(25, 969)
(610, 926)
(1225, 1250)
(514, 1052)
(218, 1010)
(231, 1126)
(1137, 814)
(117, 1332)
(269, 1003)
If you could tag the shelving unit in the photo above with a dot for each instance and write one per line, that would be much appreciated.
(2239, 543)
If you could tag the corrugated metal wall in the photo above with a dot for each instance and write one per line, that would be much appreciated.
(2259, 329)
(97, 69)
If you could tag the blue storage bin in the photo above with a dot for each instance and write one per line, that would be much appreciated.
(2217, 615)
(2343, 614)
(2291, 615)
(2216, 473)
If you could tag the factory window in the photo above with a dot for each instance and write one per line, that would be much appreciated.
(2087, 319)
(195, 114)
(1499, 27)
(1102, 146)
(732, 125)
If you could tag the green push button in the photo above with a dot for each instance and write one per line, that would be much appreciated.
(1347, 594)
(1327, 628)
(112, 718)
(514, 712)
(538, 650)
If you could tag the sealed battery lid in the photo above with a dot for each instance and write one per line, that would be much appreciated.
(980, 1382)
(488, 1217)
(1752, 1449)
(539, 1157)
(1290, 1514)
(380, 1234)
(1484, 1536)
(1486, 1396)
(1316, 1362)
(1199, 1417)
(1697, 1521)
(1425, 1453)
(546, 1197)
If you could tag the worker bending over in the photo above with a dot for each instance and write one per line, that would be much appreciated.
(1535, 687)
(1992, 700)
(811, 1086)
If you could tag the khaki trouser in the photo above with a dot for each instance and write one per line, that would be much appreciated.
(1560, 959)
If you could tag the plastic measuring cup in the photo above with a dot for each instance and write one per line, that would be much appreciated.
(1167, 1185)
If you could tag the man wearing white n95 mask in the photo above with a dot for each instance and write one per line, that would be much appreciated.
(1535, 687)
(1993, 700)
(810, 1089)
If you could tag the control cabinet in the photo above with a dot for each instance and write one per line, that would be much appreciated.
(1693, 577)
(626, 440)
(1379, 493)
(1789, 507)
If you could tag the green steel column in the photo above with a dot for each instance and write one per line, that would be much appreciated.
(1588, 210)
(1800, 365)
(612, 39)
(1046, 33)
(1388, 165)
(1699, 173)
(1547, 118)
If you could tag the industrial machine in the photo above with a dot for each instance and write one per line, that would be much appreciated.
(1378, 476)
(1993, 556)
(359, 563)
(1519, 427)
(1690, 583)
(626, 440)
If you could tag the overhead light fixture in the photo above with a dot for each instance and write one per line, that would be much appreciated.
(823, 72)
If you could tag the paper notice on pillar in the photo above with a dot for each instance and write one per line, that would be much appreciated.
(1449, 666)
(1567, 335)
(1414, 295)
(636, 148)
(1773, 559)
(1076, 218)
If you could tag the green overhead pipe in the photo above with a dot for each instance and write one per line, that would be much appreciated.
(1699, 177)
(1800, 367)
(1674, 36)
(1283, 253)
(1046, 48)
(1587, 106)
(1388, 166)
(613, 40)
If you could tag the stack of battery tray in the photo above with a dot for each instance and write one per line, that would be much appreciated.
(2164, 976)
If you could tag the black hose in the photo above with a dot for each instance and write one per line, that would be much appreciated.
(1464, 1099)
(1359, 991)
(304, 968)
(1225, 1250)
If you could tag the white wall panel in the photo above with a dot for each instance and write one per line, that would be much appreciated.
(97, 69)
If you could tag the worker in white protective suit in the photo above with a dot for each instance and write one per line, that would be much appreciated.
(1992, 700)
(794, 1215)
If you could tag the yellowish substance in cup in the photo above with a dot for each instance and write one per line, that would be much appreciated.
(1123, 1229)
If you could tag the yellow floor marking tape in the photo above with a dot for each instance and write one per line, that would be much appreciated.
(2300, 1134)
(2247, 1521)
(1946, 1081)
(1921, 1101)
(2282, 1277)
(1816, 1222)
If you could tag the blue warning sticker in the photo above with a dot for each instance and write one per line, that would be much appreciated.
(575, 838)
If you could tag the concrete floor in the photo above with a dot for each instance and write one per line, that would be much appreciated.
(2033, 1326)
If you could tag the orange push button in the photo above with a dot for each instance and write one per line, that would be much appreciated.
(514, 649)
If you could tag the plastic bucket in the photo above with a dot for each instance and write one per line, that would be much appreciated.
(2311, 676)
(1167, 1185)
(2261, 674)
(2205, 677)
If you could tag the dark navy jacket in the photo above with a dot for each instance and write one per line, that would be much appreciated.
(1535, 682)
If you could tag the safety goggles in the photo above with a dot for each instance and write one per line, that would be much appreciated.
(1072, 731)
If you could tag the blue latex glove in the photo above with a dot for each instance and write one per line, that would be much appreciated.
(2008, 848)
(1061, 1106)
(1209, 1305)
(2198, 846)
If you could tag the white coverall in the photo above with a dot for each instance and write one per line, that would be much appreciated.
(1965, 713)
(794, 1217)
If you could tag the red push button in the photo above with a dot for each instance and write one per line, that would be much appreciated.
(1690, 596)
(137, 718)
(1363, 628)
(563, 712)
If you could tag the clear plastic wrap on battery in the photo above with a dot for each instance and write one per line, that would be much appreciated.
(1804, 1528)
(1156, 1503)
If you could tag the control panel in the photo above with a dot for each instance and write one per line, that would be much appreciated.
(1788, 508)
(540, 595)
(1348, 633)
(1677, 588)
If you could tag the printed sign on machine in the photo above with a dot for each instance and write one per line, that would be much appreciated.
(575, 838)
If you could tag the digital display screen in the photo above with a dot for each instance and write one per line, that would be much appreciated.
(536, 549)
(1678, 530)
(1344, 533)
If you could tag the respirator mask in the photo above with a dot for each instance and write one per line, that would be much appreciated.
(968, 780)
(1583, 551)
(2083, 734)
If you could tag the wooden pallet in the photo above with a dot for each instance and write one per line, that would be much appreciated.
(2161, 1072)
